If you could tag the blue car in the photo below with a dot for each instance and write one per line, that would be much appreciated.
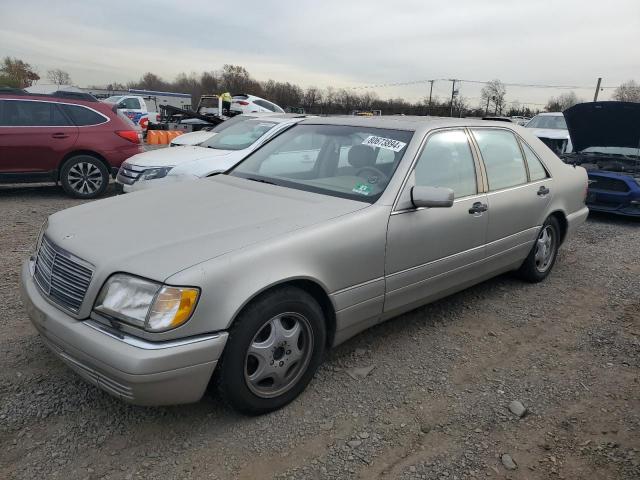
(606, 142)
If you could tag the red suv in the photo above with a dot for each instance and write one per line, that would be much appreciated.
(72, 139)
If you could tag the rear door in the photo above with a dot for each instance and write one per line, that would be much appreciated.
(35, 135)
(519, 191)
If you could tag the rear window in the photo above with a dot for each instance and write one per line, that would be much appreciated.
(83, 116)
(239, 136)
(25, 113)
(553, 122)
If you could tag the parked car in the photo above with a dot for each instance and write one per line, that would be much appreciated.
(53, 138)
(520, 120)
(606, 140)
(551, 128)
(143, 106)
(219, 153)
(245, 103)
(255, 273)
(196, 138)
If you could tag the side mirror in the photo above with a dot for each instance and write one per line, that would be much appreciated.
(431, 197)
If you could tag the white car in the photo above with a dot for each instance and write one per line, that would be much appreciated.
(245, 103)
(217, 154)
(551, 128)
(196, 138)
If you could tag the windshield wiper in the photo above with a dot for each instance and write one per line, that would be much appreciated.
(259, 180)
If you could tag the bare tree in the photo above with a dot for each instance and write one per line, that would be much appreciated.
(627, 92)
(562, 102)
(59, 77)
(492, 95)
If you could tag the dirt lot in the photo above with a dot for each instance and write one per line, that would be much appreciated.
(435, 404)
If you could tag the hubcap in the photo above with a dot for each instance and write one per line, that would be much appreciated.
(278, 355)
(545, 249)
(85, 178)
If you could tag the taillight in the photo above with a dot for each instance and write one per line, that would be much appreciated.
(157, 117)
(242, 102)
(131, 135)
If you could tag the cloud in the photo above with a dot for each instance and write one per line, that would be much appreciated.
(337, 43)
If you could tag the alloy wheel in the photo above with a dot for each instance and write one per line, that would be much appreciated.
(545, 248)
(85, 178)
(278, 354)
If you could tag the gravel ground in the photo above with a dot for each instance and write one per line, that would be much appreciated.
(423, 396)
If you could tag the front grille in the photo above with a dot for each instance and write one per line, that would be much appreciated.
(610, 184)
(128, 174)
(62, 277)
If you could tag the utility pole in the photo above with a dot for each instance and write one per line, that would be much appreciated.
(595, 96)
(430, 94)
(453, 94)
(486, 109)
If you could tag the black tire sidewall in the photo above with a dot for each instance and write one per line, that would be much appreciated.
(231, 382)
(528, 271)
(64, 171)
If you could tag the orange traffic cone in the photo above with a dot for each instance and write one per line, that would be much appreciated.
(152, 137)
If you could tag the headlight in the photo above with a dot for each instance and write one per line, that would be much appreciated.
(146, 304)
(153, 173)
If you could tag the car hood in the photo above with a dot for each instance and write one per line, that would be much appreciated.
(171, 156)
(552, 133)
(193, 138)
(159, 232)
(604, 124)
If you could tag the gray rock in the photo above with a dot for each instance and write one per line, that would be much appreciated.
(360, 372)
(508, 462)
(517, 409)
(354, 443)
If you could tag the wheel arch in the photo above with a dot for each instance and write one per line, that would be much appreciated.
(310, 286)
(561, 217)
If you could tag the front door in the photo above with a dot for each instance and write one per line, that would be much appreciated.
(431, 251)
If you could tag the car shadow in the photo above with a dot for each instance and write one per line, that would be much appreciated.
(44, 191)
(612, 219)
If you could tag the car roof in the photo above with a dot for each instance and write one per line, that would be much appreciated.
(50, 98)
(550, 114)
(280, 117)
(402, 122)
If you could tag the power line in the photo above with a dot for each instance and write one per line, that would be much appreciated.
(483, 82)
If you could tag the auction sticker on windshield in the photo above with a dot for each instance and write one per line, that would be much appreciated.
(362, 189)
(386, 143)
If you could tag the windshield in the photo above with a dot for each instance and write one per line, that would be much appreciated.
(114, 99)
(336, 160)
(554, 122)
(239, 136)
(628, 151)
(230, 123)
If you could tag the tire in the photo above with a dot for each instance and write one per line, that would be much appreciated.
(542, 257)
(266, 364)
(84, 176)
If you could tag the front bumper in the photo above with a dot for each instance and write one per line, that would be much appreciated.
(132, 369)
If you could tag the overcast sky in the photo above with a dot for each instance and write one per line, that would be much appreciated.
(339, 43)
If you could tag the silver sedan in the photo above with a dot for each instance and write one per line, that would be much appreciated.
(242, 281)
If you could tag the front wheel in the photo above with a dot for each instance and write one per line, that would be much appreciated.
(543, 255)
(84, 176)
(274, 348)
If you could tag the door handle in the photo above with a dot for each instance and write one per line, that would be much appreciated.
(542, 191)
(59, 135)
(478, 207)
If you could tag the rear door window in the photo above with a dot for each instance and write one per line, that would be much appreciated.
(502, 158)
(83, 116)
(23, 113)
(269, 106)
(536, 169)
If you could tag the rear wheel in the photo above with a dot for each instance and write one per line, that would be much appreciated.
(543, 254)
(84, 176)
(274, 348)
